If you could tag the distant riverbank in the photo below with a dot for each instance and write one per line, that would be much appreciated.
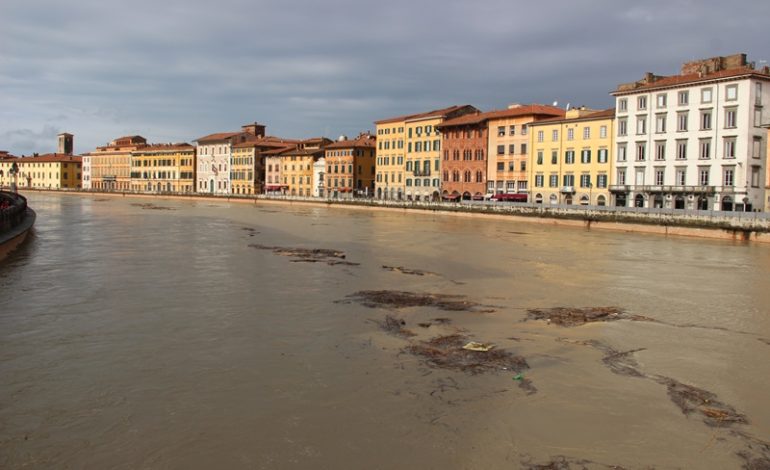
(738, 226)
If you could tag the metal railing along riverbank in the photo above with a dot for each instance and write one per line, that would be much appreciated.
(746, 221)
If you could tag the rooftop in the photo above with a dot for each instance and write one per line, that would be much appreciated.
(513, 111)
(51, 158)
(589, 116)
(411, 117)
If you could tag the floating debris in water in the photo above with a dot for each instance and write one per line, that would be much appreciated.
(691, 400)
(409, 271)
(309, 255)
(151, 206)
(576, 316)
(403, 299)
(446, 352)
(395, 326)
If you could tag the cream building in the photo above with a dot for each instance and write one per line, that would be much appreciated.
(163, 168)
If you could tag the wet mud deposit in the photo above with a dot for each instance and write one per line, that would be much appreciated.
(576, 316)
(151, 206)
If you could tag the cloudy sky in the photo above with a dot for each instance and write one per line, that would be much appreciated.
(174, 70)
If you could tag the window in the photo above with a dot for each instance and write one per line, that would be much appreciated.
(524, 129)
(660, 176)
(731, 92)
(703, 176)
(641, 125)
(681, 122)
(523, 149)
(641, 102)
(569, 157)
(512, 130)
(641, 151)
(755, 176)
(660, 150)
(705, 95)
(585, 181)
(500, 166)
(705, 149)
(554, 157)
(603, 132)
(728, 176)
(622, 152)
(622, 105)
(705, 120)
(681, 176)
(585, 156)
(731, 118)
(602, 156)
(729, 147)
(568, 180)
(681, 149)
(512, 149)
(758, 94)
(622, 127)
(660, 123)
(501, 131)
(570, 134)
(553, 181)
(757, 117)
(501, 149)
(756, 147)
(601, 181)
(621, 176)
(539, 157)
(683, 97)
(586, 132)
(661, 100)
(554, 135)
(540, 136)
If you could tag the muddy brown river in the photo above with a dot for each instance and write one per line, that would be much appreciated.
(170, 334)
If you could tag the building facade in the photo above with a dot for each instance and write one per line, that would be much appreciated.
(693, 140)
(422, 160)
(6, 168)
(50, 171)
(463, 166)
(572, 161)
(215, 152)
(273, 164)
(160, 168)
(508, 152)
(109, 166)
(389, 158)
(350, 168)
(297, 166)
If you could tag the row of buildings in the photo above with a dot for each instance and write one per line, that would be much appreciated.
(694, 140)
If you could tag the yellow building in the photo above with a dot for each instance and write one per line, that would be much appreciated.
(6, 164)
(297, 166)
(50, 171)
(349, 167)
(110, 165)
(767, 178)
(168, 168)
(571, 162)
(389, 160)
(508, 146)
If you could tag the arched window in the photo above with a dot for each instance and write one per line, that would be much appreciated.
(446, 175)
(467, 177)
(455, 176)
(479, 177)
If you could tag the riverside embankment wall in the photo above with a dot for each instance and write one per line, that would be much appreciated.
(741, 226)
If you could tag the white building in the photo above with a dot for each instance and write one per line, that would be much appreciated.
(214, 154)
(319, 173)
(693, 141)
(86, 171)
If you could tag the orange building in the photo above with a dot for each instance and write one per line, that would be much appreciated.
(350, 168)
(297, 166)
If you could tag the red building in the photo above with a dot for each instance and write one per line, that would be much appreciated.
(464, 162)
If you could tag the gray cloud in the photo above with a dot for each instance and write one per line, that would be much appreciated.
(176, 70)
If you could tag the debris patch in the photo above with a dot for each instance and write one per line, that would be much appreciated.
(403, 299)
(395, 326)
(409, 271)
(560, 462)
(309, 255)
(152, 206)
(446, 352)
(691, 400)
(576, 316)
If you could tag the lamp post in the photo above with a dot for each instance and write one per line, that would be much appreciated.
(590, 189)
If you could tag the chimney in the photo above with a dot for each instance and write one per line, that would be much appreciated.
(66, 144)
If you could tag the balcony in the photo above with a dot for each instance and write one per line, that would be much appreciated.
(568, 190)
(422, 172)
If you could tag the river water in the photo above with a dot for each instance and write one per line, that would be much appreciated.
(140, 336)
